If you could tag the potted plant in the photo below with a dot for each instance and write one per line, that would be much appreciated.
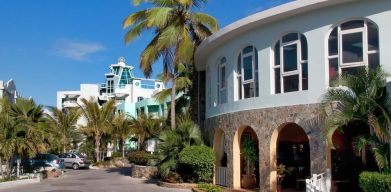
(280, 176)
(250, 155)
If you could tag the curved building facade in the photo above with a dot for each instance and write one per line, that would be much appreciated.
(265, 77)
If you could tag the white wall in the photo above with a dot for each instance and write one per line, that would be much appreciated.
(315, 26)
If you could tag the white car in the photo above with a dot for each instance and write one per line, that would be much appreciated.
(75, 160)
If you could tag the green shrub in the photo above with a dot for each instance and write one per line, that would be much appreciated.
(199, 160)
(141, 158)
(209, 187)
(374, 181)
(116, 154)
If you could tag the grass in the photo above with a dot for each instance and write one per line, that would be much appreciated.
(7, 179)
(209, 187)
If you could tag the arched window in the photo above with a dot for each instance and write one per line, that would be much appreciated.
(208, 80)
(221, 81)
(353, 45)
(291, 63)
(247, 73)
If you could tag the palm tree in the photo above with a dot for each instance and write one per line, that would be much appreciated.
(178, 30)
(172, 142)
(98, 120)
(122, 128)
(24, 132)
(65, 123)
(146, 127)
(362, 98)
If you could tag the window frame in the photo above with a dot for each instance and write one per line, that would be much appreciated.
(222, 63)
(340, 52)
(299, 62)
(254, 71)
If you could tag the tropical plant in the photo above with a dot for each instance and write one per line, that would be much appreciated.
(65, 123)
(172, 142)
(98, 119)
(178, 30)
(249, 152)
(24, 132)
(362, 98)
(146, 127)
(122, 129)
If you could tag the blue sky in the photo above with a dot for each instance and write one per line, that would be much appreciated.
(52, 45)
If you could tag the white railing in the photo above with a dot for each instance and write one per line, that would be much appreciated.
(222, 177)
(319, 182)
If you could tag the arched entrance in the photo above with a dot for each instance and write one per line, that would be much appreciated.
(290, 158)
(346, 163)
(220, 176)
(245, 158)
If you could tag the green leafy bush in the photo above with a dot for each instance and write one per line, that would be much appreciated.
(198, 159)
(374, 181)
(141, 158)
(209, 187)
(116, 154)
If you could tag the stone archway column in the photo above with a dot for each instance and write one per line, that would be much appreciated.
(264, 165)
(318, 153)
(229, 140)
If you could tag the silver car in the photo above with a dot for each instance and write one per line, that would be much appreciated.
(75, 160)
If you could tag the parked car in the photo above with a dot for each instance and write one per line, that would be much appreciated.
(75, 160)
(47, 160)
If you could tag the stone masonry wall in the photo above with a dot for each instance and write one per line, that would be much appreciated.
(265, 122)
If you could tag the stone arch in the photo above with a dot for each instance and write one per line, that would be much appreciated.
(218, 148)
(236, 155)
(275, 137)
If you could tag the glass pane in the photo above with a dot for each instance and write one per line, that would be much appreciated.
(223, 60)
(256, 85)
(352, 70)
(248, 90)
(333, 69)
(222, 77)
(333, 42)
(352, 24)
(240, 88)
(304, 48)
(248, 49)
(304, 75)
(239, 67)
(290, 57)
(373, 37)
(277, 80)
(256, 59)
(373, 60)
(352, 46)
(223, 96)
(290, 37)
(248, 68)
(291, 83)
(277, 54)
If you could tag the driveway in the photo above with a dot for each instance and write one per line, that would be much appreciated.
(93, 180)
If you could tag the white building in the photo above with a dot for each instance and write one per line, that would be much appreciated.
(265, 77)
(8, 89)
(120, 84)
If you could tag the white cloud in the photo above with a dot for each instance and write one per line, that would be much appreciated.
(77, 50)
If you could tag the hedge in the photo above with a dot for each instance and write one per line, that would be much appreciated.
(209, 187)
(198, 161)
(374, 181)
(141, 158)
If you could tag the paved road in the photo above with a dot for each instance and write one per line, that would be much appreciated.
(92, 180)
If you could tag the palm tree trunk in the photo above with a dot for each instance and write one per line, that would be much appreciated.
(173, 95)
(97, 146)
(63, 144)
(123, 148)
